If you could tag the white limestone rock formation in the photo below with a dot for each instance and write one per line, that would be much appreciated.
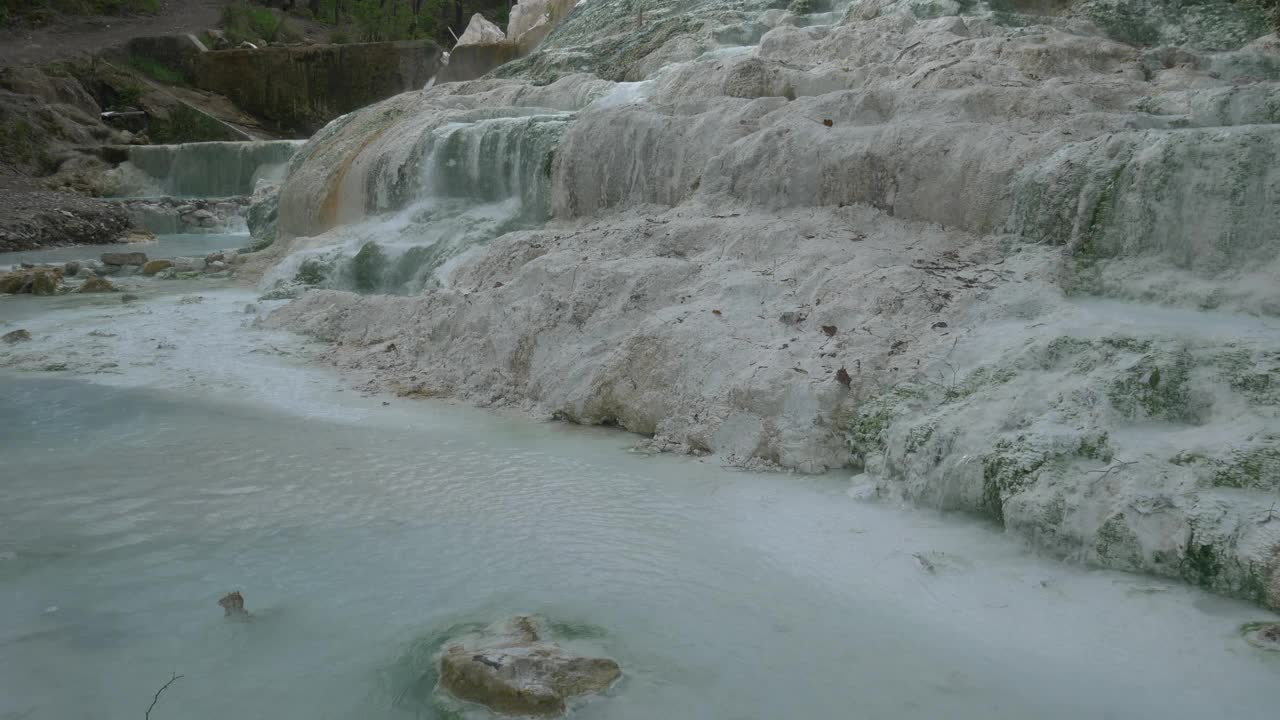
(1020, 262)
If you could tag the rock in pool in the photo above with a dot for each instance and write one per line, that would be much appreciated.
(96, 285)
(36, 281)
(129, 258)
(16, 336)
(152, 267)
(1264, 635)
(509, 669)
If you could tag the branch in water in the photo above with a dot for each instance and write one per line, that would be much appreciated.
(156, 699)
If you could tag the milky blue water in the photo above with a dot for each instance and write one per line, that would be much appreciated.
(128, 511)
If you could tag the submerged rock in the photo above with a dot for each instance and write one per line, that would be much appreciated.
(510, 669)
(16, 336)
(1263, 635)
(96, 285)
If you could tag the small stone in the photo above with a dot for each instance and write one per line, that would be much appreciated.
(233, 605)
(128, 298)
(16, 336)
(190, 299)
(96, 285)
(793, 317)
(122, 259)
(71, 269)
(86, 273)
(152, 267)
(1264, 636)
(28, 266)
(215, 266)
(214, 257)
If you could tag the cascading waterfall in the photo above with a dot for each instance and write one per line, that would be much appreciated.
(204, 170)
(462, 184)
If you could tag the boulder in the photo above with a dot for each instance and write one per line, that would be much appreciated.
(120, 259)
(14, 282)
(509, 669)
(152, 267)
(16, 336)
(96, 285)
(45, 282)
(34, 281)
(71, 269)
(481, 32)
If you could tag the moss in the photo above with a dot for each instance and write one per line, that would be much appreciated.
(1117, 546)
(1148, 390)
(918, 436)
(1200, 565)
(1125, 23)
(368, 267)
(1256, 469)
(1248, 376)
(1215, 567)
(983, 377)
(157, 71)
(312, 272)
(1062, 348)
(1127, 344)
(1095, 447)
(1005, 471)
(186, 124)
(866, 434)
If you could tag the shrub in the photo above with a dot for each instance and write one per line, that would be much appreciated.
(157, 71)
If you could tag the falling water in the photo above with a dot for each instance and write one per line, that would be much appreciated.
(212, 169)
(468, 182)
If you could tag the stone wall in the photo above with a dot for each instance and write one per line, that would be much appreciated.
(297, 89)
(468, 62)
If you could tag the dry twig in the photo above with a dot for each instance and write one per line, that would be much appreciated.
(156, 699)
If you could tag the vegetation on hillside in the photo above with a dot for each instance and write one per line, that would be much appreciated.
(372, 20)
(36, 12)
